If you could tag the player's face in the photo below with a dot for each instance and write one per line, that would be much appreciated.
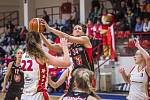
(19, 54)
(77, 30)
(138, 57)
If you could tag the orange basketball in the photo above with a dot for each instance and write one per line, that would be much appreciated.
(36, 25)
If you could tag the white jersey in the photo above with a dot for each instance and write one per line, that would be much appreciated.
(138, 84)
(35, 75)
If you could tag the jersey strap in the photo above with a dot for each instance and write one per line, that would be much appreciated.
(42, 80)
(132, 69)
(148, 84)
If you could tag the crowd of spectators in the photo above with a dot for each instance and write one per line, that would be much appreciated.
(128, 14)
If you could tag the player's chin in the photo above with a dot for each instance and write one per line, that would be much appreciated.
(19, 57)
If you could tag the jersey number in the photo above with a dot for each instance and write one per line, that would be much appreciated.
(27, 65)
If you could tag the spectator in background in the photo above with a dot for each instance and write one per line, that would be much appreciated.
(96, 14)
(2, 52)
(46, 17)
(146, 25)
(139, 25)
(1, 75)
(123, 9)
(69, 25)
(97, 40)
(22, 33)
(89, 30)
(75, 16)
(101, 8)
(95, 3)
(130, 3)
(10, 27)
(11, 32)
(91, 14)
(123, 6)
(137, 10)
(129, 16)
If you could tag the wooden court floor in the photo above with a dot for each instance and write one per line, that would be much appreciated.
(51, 97)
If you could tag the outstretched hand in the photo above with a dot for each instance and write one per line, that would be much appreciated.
(44, 23)
(137, 43)
(63, 42)
(121, 70)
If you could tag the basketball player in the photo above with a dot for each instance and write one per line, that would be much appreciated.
(80, 49)
(33, 64)
(82, 86)
(139, 76)
(16, 81)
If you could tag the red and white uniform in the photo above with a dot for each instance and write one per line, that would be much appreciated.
(35, 79)
(139, 84)
(89, 31)
(97, 29)
(70, 68)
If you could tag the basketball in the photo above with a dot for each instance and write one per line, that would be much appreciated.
(36, 24)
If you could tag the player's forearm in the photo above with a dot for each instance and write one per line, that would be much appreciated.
(144, 52)
(45, 40)
(125, 77)
(53, 84)
(5, 81)
(66, 53)
(50, 46)
(56, 32)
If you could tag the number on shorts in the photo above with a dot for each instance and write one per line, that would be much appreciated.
(29, 67)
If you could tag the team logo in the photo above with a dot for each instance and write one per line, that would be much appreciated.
(17, 78)
(78, 60)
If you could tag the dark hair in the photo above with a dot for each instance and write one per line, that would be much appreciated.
(33, 43)
(45, 12)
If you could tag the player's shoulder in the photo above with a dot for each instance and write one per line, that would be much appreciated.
(11, 63)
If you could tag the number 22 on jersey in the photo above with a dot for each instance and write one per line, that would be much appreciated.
(27, 65)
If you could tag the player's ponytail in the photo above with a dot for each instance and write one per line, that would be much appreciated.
(83, 78)
(33, 44)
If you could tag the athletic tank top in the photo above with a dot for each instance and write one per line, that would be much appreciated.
(17, 78)
(139, 84)
(81, 56)
(35, 75)
(75, 96)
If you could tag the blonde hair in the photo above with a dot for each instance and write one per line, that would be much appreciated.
(83, 78)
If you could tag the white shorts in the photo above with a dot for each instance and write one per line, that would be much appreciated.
(37, 96)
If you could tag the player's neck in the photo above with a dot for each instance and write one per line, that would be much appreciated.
(141, 65)
(18, 61)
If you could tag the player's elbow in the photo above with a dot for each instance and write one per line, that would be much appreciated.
(148, 58)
